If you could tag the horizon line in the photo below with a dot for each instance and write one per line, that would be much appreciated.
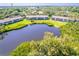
(39, 4)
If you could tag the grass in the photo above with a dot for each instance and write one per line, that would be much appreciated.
(51, 45)
(48, 46)
(16, 25)
(25, 22)
(58, 23)
(50, 22)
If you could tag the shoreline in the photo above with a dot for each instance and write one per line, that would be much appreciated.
(24, 22)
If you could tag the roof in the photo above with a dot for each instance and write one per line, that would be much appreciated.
(10, 19)
(2, 21)
(60, 17)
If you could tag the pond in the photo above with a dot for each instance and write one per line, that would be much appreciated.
(31, 32)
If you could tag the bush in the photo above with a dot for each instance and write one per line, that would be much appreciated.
(49, 46)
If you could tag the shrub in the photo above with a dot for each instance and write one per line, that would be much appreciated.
(49, 46)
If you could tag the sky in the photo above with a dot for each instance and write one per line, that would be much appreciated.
(39, 1)
(39, 4)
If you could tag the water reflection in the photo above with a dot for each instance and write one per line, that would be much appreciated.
(2, 36)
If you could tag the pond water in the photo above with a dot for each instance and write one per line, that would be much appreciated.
(31, 32)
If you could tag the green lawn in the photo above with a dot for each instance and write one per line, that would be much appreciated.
(50, 22)
(25, 22)
(58, 23)
(17, 25)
